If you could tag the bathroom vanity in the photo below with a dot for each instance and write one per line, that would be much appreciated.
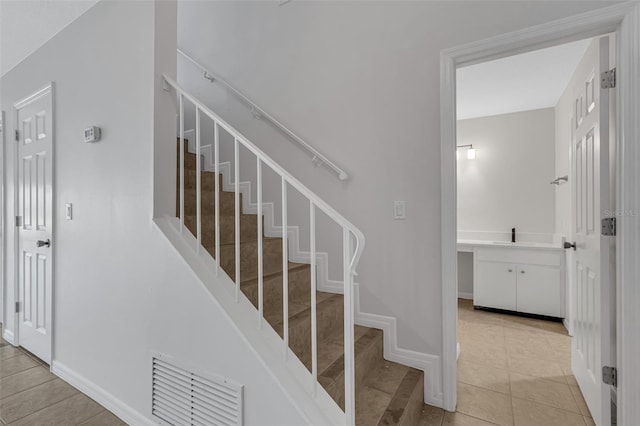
(519, 277)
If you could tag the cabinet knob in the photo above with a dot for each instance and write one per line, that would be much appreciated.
(510, 270)
(522, 272)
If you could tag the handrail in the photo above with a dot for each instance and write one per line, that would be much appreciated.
(351, 254)
(317, 156)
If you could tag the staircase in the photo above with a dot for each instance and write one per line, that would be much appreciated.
(386, 393)
(317, 327)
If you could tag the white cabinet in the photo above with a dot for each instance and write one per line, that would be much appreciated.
(518, 279)
(494, 285)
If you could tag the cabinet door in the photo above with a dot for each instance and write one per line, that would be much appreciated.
(495, 285)
(539, 290)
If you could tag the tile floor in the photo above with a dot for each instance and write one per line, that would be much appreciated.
(31, 395)
(512, 371)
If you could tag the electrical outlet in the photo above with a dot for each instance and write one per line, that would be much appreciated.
(399, 210)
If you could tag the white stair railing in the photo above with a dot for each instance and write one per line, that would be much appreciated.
(351, 254)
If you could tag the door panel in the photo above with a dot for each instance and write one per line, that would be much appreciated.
(35, 203)
(590, 164)
(539, 290)
(495, 285)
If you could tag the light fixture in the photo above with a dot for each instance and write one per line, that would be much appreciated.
(471, 152)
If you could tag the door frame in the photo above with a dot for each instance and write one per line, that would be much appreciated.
(3, 266)
(48, 89)
(624, 21)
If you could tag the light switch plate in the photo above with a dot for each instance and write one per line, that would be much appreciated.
(68, 211)
(399, 210)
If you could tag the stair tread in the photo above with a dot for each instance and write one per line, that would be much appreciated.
(252, 279)
(401, 398)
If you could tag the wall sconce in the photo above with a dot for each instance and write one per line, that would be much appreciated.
(471, 152)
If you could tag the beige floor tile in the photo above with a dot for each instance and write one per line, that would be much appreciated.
(543, 391)
(24, 380)
(431, 416)
(24, 403)
(15, 365)
(370, 405)
(536, 367)
(484, 404)
(105, 418)
(484, 355)
(529, 413)
(484, 376)
(460, 419)
(582, 405)
(70, 411)
(589, 421)
(8, 351)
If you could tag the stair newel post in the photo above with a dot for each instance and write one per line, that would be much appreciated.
(260, 265)
(349, 350)
(181, 163)
(198, 183)
(314, 317)
(285, 271)
(216, 156)
(236, 162)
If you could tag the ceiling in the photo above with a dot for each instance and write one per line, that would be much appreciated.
(529, 81)
(27, 25)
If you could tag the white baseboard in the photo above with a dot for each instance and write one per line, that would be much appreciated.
(428, 363)
(9, 336)
(464, 295)
(101, 396)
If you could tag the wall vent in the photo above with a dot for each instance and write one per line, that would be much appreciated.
(182, 397)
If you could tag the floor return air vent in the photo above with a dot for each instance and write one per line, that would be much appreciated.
(183, 397)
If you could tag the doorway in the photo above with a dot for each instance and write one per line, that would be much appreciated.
(624, 20)
(34, 222)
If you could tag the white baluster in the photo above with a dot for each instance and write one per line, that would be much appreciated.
(181, 155)
(285, 271)
(198, 183)
(349, 352)
(216, 156)
(314, 317)
(260, 260)
(236, 161)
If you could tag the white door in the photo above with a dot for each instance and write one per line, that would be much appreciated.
(34, 122)
(590, 169)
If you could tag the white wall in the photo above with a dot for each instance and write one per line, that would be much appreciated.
(507, 184)
(360, 81)
(121, 290)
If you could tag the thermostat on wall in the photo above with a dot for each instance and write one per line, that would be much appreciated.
(92, 134)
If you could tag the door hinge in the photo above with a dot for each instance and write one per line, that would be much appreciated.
(17, 307)
(18, 220)
(609, 226)
(17, 135)
(608, 79)
(610, 376)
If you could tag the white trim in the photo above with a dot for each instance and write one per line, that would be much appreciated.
(9, 336)
(100, 395)
(3, 242)
(628, 200)
(624, 19)
(465, 295)
(429, 364)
